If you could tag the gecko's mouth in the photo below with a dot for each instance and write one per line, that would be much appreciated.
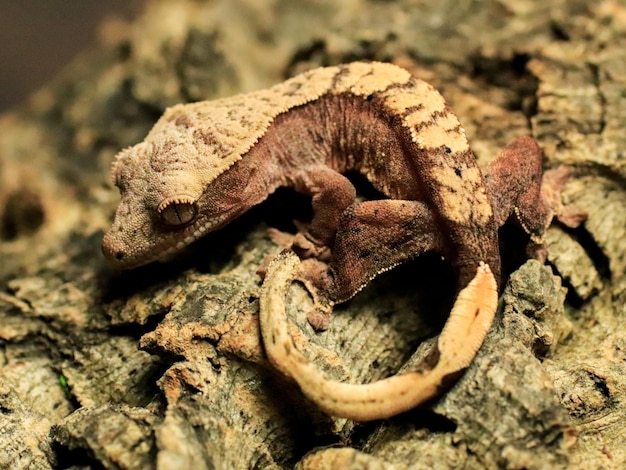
(144, 249)
(124, 258)
(128, 258)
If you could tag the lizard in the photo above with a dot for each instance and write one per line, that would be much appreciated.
(204, 164)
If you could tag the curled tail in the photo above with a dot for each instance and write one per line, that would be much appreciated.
(458, 343)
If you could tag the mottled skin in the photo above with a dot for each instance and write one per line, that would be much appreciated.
(206, 163)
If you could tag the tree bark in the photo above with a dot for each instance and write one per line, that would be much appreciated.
(163, 366)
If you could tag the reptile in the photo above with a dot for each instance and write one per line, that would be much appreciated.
(204, 164)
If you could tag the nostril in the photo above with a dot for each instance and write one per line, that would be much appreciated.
(119, 255)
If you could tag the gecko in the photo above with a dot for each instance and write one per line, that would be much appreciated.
(204, 164)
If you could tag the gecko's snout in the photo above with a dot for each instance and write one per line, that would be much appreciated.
(124, 253)
(112, 251)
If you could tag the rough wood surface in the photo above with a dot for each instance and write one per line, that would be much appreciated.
(162, 366)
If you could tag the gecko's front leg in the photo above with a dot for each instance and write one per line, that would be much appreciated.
(331, 193)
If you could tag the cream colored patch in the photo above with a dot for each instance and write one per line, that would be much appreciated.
(230, 127)
(212, 135)
(463, 196)
(446, 131)
(364, 79)
(428, 106)
(469, 320)
(422, 95)
(236, 123)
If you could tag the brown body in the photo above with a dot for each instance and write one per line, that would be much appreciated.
(217, 159)
(204, 164)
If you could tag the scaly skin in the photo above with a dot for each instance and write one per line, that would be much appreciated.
(204, 164)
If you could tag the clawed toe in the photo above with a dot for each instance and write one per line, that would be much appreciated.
(306, 248)
(571, 216)
(313, 275)
(282, 239)
(319, 316)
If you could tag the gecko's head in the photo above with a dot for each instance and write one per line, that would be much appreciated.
(162, 182)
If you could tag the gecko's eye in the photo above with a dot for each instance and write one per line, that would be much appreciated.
(177, 212)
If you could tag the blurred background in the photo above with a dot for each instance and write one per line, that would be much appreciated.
(38, 37)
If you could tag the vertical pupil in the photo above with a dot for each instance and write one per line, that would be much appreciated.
(178, 213)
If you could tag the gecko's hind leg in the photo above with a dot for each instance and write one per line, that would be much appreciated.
(519, 191)
(458, 343)
(372, 237)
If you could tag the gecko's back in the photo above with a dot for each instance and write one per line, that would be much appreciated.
(193, 144)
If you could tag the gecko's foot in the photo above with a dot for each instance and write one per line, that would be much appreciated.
(315, 277)
(571, 216)
(538, 251)
(301, 244)
(319, 316)
(282, 239)
(536, 224)
(298, 243)
(553, 185)
(307, 248)
(261, 271)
